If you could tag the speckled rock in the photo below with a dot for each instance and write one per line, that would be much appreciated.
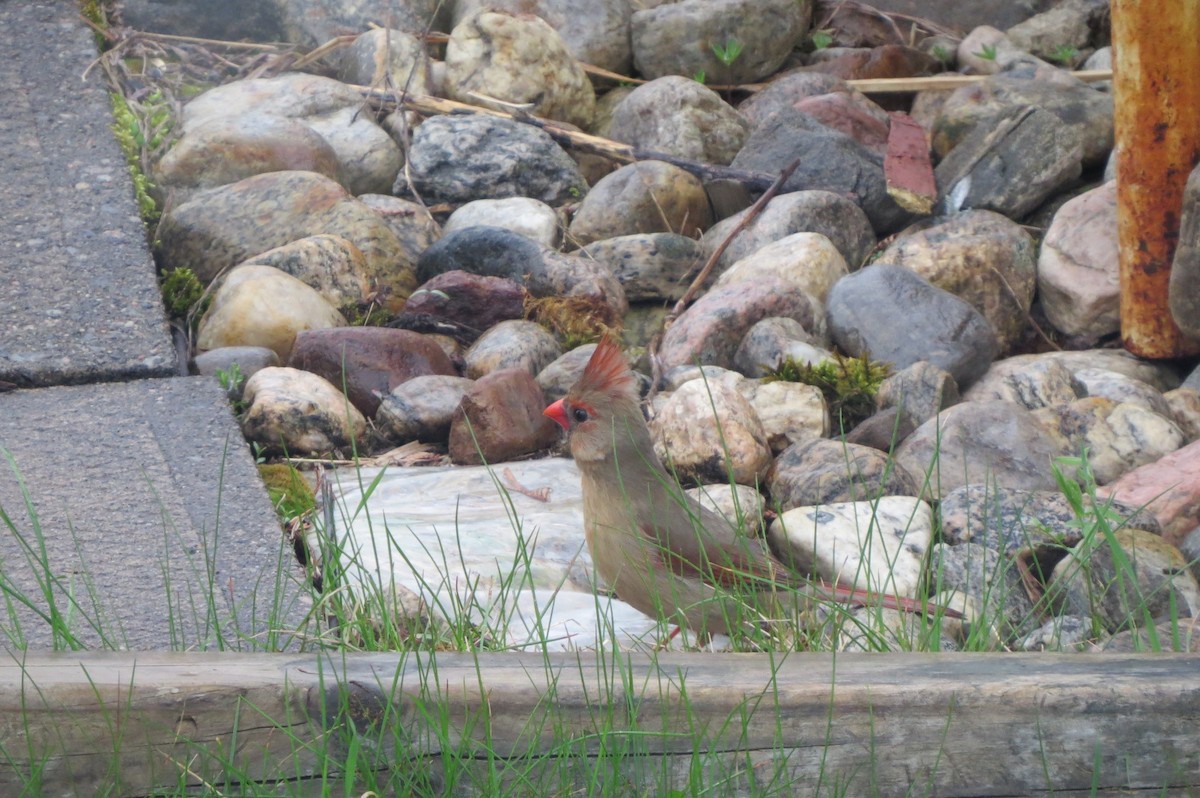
(710, 331)
(651, 267)
(992, 580)
(828, 161)
(1121, 388)
(678, 116)
(878, 546)
(471, 301)
(1090, 582)
(1032, 382)
(526, 216)
(642, 197)
(1184, 404)
(919, 392)
(515, 344)
(500, 418)
(835, 217)
(995, 442)
(368, 362)
(262, 306)
(791, 88)
(708, 431)
(1119, 436)
(896, 316)
(1011, 520)
(297, 412)
(517, 59)
(808, 261)
(596, 32)
(420, 409)
(457, 159)
(824, 471)
(221, 227)
(978, 256)
(542, 271)
(679, 38)
(410, 221)
(332, 265)
(389, 59)
(1159, 375)
(790, 412)
(1077, 265)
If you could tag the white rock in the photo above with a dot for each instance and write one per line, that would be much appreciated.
(872, 546)
(808, 260)
(789, 411)
(525, 216)
(299, 412)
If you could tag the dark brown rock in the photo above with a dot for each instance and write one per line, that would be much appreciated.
(371, 360)
(500, 418)
(474, 301)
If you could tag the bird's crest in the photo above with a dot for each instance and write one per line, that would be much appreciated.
(608, 373)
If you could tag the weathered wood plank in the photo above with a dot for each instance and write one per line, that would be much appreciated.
(943, 724)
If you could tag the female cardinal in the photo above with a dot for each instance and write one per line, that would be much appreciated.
(660, 550)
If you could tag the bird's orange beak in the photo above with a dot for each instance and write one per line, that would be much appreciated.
(558, 414)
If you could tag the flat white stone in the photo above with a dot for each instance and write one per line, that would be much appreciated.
(514, 563)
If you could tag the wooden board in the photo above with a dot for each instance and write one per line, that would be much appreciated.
(938, 724)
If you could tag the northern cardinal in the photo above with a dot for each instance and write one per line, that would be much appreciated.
(660, 550)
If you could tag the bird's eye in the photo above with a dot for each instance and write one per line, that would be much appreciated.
(579, 414)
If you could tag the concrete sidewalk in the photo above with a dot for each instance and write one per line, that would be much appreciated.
(138, 482)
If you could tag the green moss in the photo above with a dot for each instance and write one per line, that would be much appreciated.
(290, 494)
(849, 385)
(183, 294)
(128, 131)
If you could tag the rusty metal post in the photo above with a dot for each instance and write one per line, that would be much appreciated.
(1156, 89)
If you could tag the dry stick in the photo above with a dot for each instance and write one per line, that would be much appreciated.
(749, 216)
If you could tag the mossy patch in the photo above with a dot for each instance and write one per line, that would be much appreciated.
(290, 494)
(849, 385)
(574, 320)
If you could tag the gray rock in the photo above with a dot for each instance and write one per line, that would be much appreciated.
(992, 580)
(978, 256)
(651, 266)
(514, 344)
(1068, 25)
(495, 252)
(1156, 584)
(558, 377)
(1060, 633)
(1010, 162)
(919, 391)
(1085, 110)
(224, 226)
(1159, 375)
(678, 116)
(245, 360)
(894, 315)
(457, 159)
(420, 409)
(829, 161)
(824, 471)
(314, 22)
(997, 443)
(389, 59)
(833, 216)
(642, 197)
(224, 20)
(1184, 288)
(772, 340)
(1121, 388)
(679, 38)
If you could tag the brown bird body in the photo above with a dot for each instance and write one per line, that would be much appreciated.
(660, 550)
